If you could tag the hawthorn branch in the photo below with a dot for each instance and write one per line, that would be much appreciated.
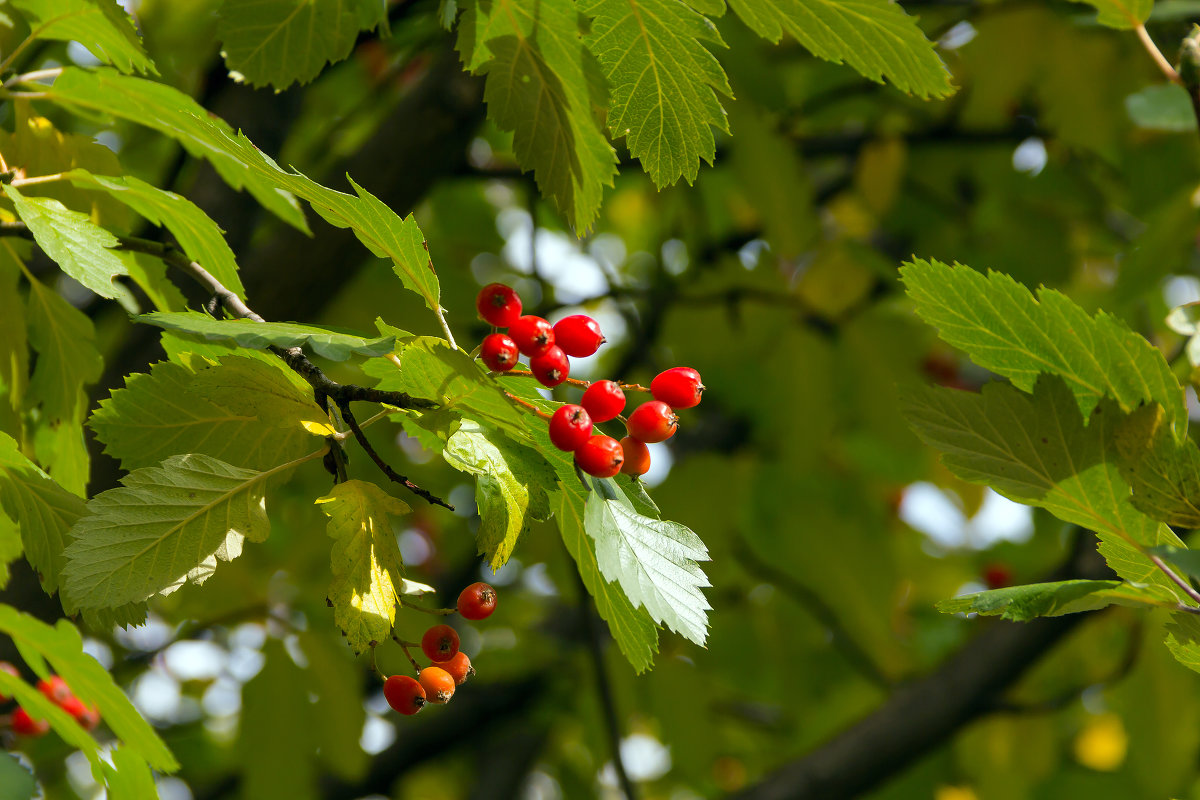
(348, 416)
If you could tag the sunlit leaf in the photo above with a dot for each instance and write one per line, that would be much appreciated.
(102, 26)
(1023, 603)
(261, 335)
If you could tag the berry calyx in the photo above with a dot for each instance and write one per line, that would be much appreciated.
(570, 427)
(440, 643)
(578, 335)
(652, 421)
(678, 387)
(25, 725)
(477, 601)
(458, 668)
(600, 456)
(499, 352)
(55, 689)
(438, 685)
(603, 400)
(533, 335)
(550, 368)
(404, 694)
(498, 305)
(637, 456)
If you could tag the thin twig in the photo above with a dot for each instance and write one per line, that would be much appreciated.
(528, 405)
(36, 75)
(1159, 59)
(384, 467)
(437, 612)
(404, 646)
(57, 176)
(521, 373)
(1188, 589)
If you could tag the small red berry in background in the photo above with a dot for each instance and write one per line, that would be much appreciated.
(550, 368)
(637, 456)
(477, 601)
(25, 725)
(578, 335)
(652, 421)
(499, 352)
(404, 694)
(603, 400)
(440, 643)
(600, 456)
(678, 387)
(438, 685)
(533, 335)
(997, 575)
(570, 427)
(498, 305)
(55, 689)
(85, 715)
(458, 668)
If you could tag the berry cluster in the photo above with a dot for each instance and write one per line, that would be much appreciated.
(572, 426)
(56, 690)
(449, 667)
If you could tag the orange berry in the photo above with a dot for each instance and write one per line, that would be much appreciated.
(438, 684)
(459, 668)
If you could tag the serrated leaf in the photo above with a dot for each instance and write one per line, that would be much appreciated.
(511, 482)
(1122, 14)
(874, 37)
(541, 85)
(249, 386)
(1023, 603)
(164, 526)
(102, 26)
(40, 707)
(14, 343)
(1162, 107)
(1183, 639)
(71, 240)
(663, 82)
(195, 231)
(10, 546)
(68, 360)
(129, 777)
(365, 561)
(997, 322)
(260, 335)
(278, 42)
(1163, 473)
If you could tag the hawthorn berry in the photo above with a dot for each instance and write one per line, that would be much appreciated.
(438, 685)
(600, 456)
(498, 305)
(477, 601)
(85, 715)
(404, 694)
(637, 456)
(997, 575)
(652, 421)
(440, 643)
(603, 400)
(25, 725)
(458, 668)
(533, 335)
(55, 689)
(678, 387)
(570, 426)
(550, 368)
(578, 335)
(499, 352)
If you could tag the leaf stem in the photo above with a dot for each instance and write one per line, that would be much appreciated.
(1188, 589)
(528, 405)
(36, 75)
(1159, 59)
(57, 176)
(404, 646)
(520, 373)
(437, 612)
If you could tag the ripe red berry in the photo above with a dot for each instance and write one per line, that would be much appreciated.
(477, 601)
(499, 352)
(653, 421)
(550, 368)
(570, 427)
(85, 715)
(603, 400)
(997, 575)
(458, 668)
(438, 685)
(25, 725)
(404, 694)
(678, 387)
(600, 456)
(498, 305)
(637, 456)
(440, 643)
(55, 689)
(578, 335)
(533, 335)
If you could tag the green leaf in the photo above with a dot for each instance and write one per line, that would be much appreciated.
(10, 546)
(1023, 603)
(542, 86)
(276, 740)
(72, 241)
(14, 342)
(874, 37)
(1163, 473)
(663, 82)
(261, 335)
(42, 509)
(68, 360)
(195, 231)
(997, 322)
(1123, 14)
(511, 482)
(1162, 107)
(101, 26)
(16, 782)
(365, 561)
(129, 777)
(266, 391)
(40, 707)
(165, 525)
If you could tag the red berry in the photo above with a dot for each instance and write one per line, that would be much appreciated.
(678, 387)
(477, 601)
(458, 668)
(652, 421)
(11, 670)
(55, 689)
(25, 725)
(570, 427)
(600, 456)
(498, 305)
(438, 684)
(85, 715)
(404, 694)
(550, 368)
(440, 643)
(578, 335)
(603, 400)
(499, 352)
(637, 456)
(997, 575)
(533, 335)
